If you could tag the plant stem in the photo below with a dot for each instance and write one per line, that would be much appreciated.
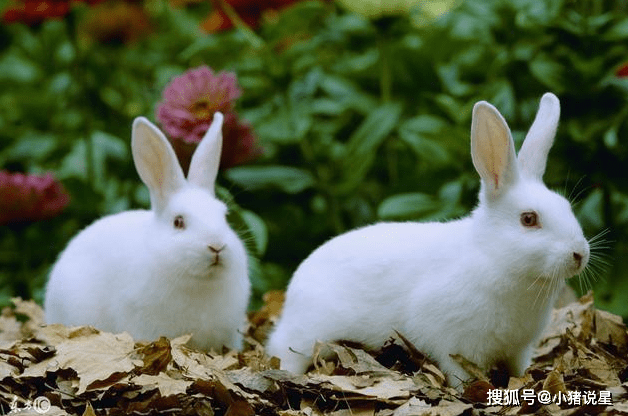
(255, 40)
(385, 87)
(385, 76)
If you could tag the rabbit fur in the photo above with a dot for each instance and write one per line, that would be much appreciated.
(172, 270)
(481, 286)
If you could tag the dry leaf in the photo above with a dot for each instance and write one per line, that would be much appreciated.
(156, 356)
(99, 359)
(355, 359)
(554, 383)
(414, 406)
(385, 389)
(166, 385)
(354, 410)
(610, 329)
(471, 368)
(444, 408)
(89, 410)
(477, 391)
(250, 380)
(584, 349)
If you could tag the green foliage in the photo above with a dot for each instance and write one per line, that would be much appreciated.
(360, 120)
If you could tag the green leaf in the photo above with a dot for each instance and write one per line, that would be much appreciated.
(618, 32)
(417, 133)
(450, 77)
(407, 206)
(451, 192)
(74, 164)
(199, 45)
(611, 138)
(289, 123)
(456, 110)
(548, 72)
(372, 132)
(33, 146)
(424, 123)
(285, 178)
(347, 94)
(352, 63)
(79, 161)
(328, 107)
(258, 229)
(362, 146)
(66, 53)
(428, 150)
(16, 69)
(590, 213)
(504, 99)
(109, 146)
(165, 73)
(60, 83)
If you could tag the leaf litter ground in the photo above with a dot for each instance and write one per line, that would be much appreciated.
(83, 371)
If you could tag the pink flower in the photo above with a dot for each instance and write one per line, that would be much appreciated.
(188, 107)
(194, 97)
(28, 198)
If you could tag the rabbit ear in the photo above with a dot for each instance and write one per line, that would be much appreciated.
(492, 149)
(540, 137)
(156, 162)
(206, 158)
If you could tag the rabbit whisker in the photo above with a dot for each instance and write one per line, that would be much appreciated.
(573, 198)
(542, 283)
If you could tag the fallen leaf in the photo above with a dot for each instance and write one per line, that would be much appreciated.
(156, 356)
(355, 359)
(166, 385)
(471, 368)
(610, 329)
(96, 357)
(385, 389)
(554, 383)
(584, 349)
(251, 380)
(89, 410)
(414, 406)
(477, 391)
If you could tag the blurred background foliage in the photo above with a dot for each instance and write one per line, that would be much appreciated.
(363, 113)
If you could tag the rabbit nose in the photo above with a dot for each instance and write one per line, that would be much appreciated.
(216, 253)
(578, 258)
(215, 249)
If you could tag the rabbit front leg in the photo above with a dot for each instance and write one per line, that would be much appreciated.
(519, 361)
(293, 350)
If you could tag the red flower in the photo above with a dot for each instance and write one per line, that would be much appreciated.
(27, 198)
(622, 71)
(114, 23)
(250, 11)
(187, 110)
(32, 12)
(239, 144)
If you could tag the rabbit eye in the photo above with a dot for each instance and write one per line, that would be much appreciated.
(179, 222)
(529, 219)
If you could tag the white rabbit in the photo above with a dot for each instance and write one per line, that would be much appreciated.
(482, 286)
(172, 270)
